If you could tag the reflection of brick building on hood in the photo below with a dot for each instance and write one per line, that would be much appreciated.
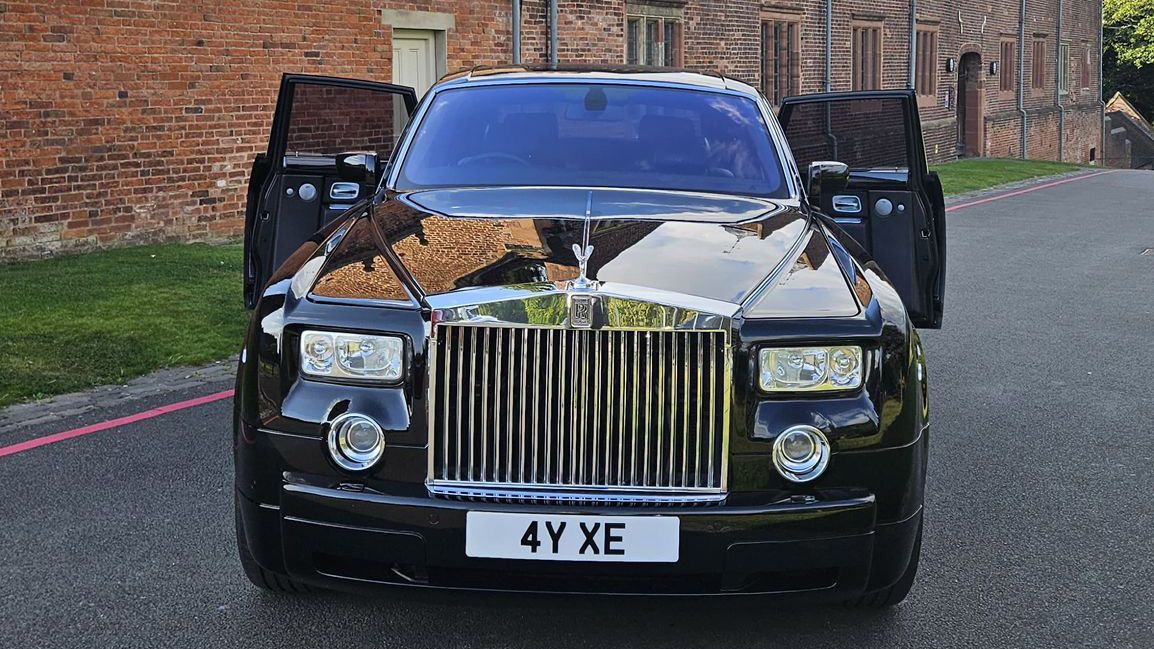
(447, 253)
(444, 253)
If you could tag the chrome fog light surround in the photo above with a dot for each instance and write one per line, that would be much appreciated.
(355, 441)
(801, 453)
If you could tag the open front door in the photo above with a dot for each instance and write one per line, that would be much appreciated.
(893, 206)
(294, 189)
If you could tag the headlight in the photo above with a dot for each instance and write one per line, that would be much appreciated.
(352, 356)
(809, 369)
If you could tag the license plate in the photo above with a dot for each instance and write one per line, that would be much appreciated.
(642, 539)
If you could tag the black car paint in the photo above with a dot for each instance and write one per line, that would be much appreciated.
(878, 433)
(850, 531)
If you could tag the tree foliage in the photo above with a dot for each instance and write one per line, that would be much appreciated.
(1130, 24)
(1128, 59)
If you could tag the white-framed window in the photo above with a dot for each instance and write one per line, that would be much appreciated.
(653, 36)
(1064, 68)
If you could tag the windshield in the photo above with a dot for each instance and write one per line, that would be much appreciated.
(593, 135)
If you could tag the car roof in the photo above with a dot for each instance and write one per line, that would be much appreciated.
(685, 77)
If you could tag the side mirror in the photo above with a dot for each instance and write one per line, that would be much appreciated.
(826, 178)
(360, 167)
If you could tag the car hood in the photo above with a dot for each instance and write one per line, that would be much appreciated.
(716, 247)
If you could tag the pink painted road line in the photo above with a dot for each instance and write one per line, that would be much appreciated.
(112, 423)
(1028, 190)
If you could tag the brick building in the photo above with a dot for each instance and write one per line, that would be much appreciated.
(128, 121)
(1129, 136)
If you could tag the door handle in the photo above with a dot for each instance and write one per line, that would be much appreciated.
(344, 191)
(846, 204)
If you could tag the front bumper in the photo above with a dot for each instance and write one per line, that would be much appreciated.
(356, 540)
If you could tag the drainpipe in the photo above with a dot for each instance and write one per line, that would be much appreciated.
(1101, 90)
(1058, 91)
(516, 31)
(1022, 74)
(828, 43)
(553, 32)
(913, 65)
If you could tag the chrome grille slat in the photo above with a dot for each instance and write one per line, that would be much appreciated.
(596, 403)
(623, 411)
(574, 409)
(697, 438)
(621, 417)
(584, 410)
(648, 404)
(673, 409)
(484, 405)
(472, 402)
(712, 406)
(608, 436)
(510, 389)
(548, 406)
(660, 400)
(523, 399)
(636, 401)
(684, 415)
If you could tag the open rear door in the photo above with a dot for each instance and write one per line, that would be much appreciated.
(294, 189)
(893, 206)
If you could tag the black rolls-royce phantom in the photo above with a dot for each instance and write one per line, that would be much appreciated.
(580, 330)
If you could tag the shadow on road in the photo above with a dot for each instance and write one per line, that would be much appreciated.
(424, 617)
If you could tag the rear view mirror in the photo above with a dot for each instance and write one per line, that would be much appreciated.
(359, 167)
(826, 177)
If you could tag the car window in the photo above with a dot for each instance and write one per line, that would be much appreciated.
(326, 120)
(601, 135)
(862, 133)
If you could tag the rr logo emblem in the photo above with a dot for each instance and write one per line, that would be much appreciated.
(580, 311)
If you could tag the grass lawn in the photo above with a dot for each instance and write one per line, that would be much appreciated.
(963, 176)
(80, 321)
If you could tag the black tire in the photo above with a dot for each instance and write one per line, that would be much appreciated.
(268, 580)
(893, 595)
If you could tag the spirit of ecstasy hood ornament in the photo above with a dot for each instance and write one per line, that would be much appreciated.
(582, 252)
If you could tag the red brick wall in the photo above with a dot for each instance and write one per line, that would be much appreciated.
(731, 45)
(127, 121)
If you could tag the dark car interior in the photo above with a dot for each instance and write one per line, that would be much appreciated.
(317, 119)
(892, 205)
(547, 135)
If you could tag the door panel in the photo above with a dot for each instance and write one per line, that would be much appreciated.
(414, 59)
(290, 193)
(900, 218)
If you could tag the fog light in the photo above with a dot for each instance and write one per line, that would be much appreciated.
(356, 442)
(800, 453)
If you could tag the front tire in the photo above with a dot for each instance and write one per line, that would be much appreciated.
(893, 595)
(273, 582)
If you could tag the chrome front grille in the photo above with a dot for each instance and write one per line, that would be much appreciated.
(626, 414)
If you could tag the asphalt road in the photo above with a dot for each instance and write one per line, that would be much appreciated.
(1039, 528)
